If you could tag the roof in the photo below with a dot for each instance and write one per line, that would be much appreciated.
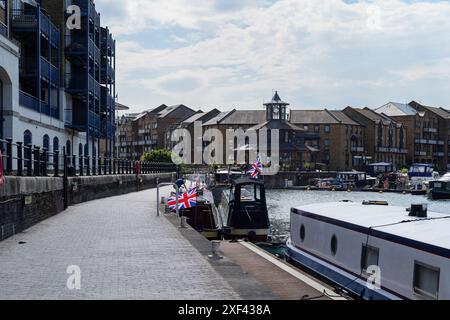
(246, 180)
(245, 117)
(217, 119)
(276, 100)
(193, 118)
(374, 116)
(395, 109)
(387, 219)
(276, 124)
(321, 117)
(439, 111)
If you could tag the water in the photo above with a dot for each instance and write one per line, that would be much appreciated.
(280, 203)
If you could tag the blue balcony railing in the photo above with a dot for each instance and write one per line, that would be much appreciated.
(45, 69)
(28, 101)
(3, 29)
(94, 120)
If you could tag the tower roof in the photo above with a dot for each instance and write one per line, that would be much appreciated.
(276, 100)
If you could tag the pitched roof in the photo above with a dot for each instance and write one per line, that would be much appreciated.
(439, 111)
(276, 124)
(374, 116)
(276, 100)
(320, 117)
(217, 118)
(246, 117)
(395, 109)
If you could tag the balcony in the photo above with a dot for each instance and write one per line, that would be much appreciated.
(357, 149)
(28, 101)
(430, 130)
(94, 52)
(94, 120)
(438, 154)
(94, 87)
(49, 71)
(27, 20)
(3, 30)
(420, 153)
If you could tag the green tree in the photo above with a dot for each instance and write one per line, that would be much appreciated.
(159, 155)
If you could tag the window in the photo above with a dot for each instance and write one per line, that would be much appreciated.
(306, 128)
(46, 142)
(317, 129)
(334, 245)
(55, 144)
(426, 280)
(369, 257)
(302, 233)
(327, 128)
(68, 148)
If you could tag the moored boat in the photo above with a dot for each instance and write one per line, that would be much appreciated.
(440, 189)
(350, 244)
(420, 175)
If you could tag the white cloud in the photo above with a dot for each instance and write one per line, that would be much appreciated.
(317, 53)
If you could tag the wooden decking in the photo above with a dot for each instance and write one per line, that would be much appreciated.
(283, 279)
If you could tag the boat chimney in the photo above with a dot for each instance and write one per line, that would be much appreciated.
(419, 210)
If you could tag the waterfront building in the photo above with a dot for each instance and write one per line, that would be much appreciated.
(338, 139)
(427, 132)
(384, 138)
(148, 130)
(64, 92)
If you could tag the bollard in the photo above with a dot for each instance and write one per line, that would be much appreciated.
(184, 224)
(216, 252)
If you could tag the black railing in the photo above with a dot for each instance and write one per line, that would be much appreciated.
(34, 161)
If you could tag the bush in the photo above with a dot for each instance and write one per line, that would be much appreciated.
(159, 155)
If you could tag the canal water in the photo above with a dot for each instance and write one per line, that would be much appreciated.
(280, 203)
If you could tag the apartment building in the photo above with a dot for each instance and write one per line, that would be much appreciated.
(338, 139)
(149, 130)
(384, 138)
(65, 85)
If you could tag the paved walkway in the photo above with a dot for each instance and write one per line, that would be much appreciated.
(123, 250)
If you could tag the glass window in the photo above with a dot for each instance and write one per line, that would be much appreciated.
(334, 245)
(302, 233)
(426, 280)
(327, 129)
(369, 257)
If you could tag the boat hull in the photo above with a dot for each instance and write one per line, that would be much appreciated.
(356, 287)
(439, 195)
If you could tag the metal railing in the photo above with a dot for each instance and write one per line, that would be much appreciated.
(3, 29)
(34, 161)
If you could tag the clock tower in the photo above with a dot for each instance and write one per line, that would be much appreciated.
(276, 109)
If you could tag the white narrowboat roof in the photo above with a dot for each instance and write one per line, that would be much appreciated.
(396, 221)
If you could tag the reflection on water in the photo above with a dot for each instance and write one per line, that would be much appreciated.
(280, 203)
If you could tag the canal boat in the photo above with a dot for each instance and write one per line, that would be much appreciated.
(241, 210)
(440, 189)
(420, 175)
(352, 179)
(350, 244)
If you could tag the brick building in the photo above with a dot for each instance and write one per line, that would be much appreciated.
(384, 138)
(149, 130)
(427, 132)
(338, 139)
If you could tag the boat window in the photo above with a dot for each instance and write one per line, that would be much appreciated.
(426, 280)
(302, 233)
(251, 193)
(334, 245)
(369, 257)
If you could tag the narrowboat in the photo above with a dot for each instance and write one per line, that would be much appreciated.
(351, 244)
(241, 209)
(440, 189)
(202, 219)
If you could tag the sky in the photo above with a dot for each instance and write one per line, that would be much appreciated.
(317, 53)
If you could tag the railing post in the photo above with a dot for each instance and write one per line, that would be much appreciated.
(37, 160)
(81, 164)
(29, 161)
(65, 179)
(88, 169)
(19, 159)
(100, 168)
(74, 164)
(94, 164)
(56, 163)
(45, 162)
(109, 166)
(9, 155)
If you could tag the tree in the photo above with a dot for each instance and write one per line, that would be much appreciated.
(159, 155)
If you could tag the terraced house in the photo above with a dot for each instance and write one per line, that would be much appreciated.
(384, 138)
(427, 132)
(63, 94)
(337, 139)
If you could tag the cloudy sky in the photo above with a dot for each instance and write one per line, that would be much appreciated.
(316, 53)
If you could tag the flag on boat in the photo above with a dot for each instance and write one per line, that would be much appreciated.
(185, 201)
(255, 169)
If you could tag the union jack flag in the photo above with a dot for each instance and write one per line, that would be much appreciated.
(185, 201)
(255, 169)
